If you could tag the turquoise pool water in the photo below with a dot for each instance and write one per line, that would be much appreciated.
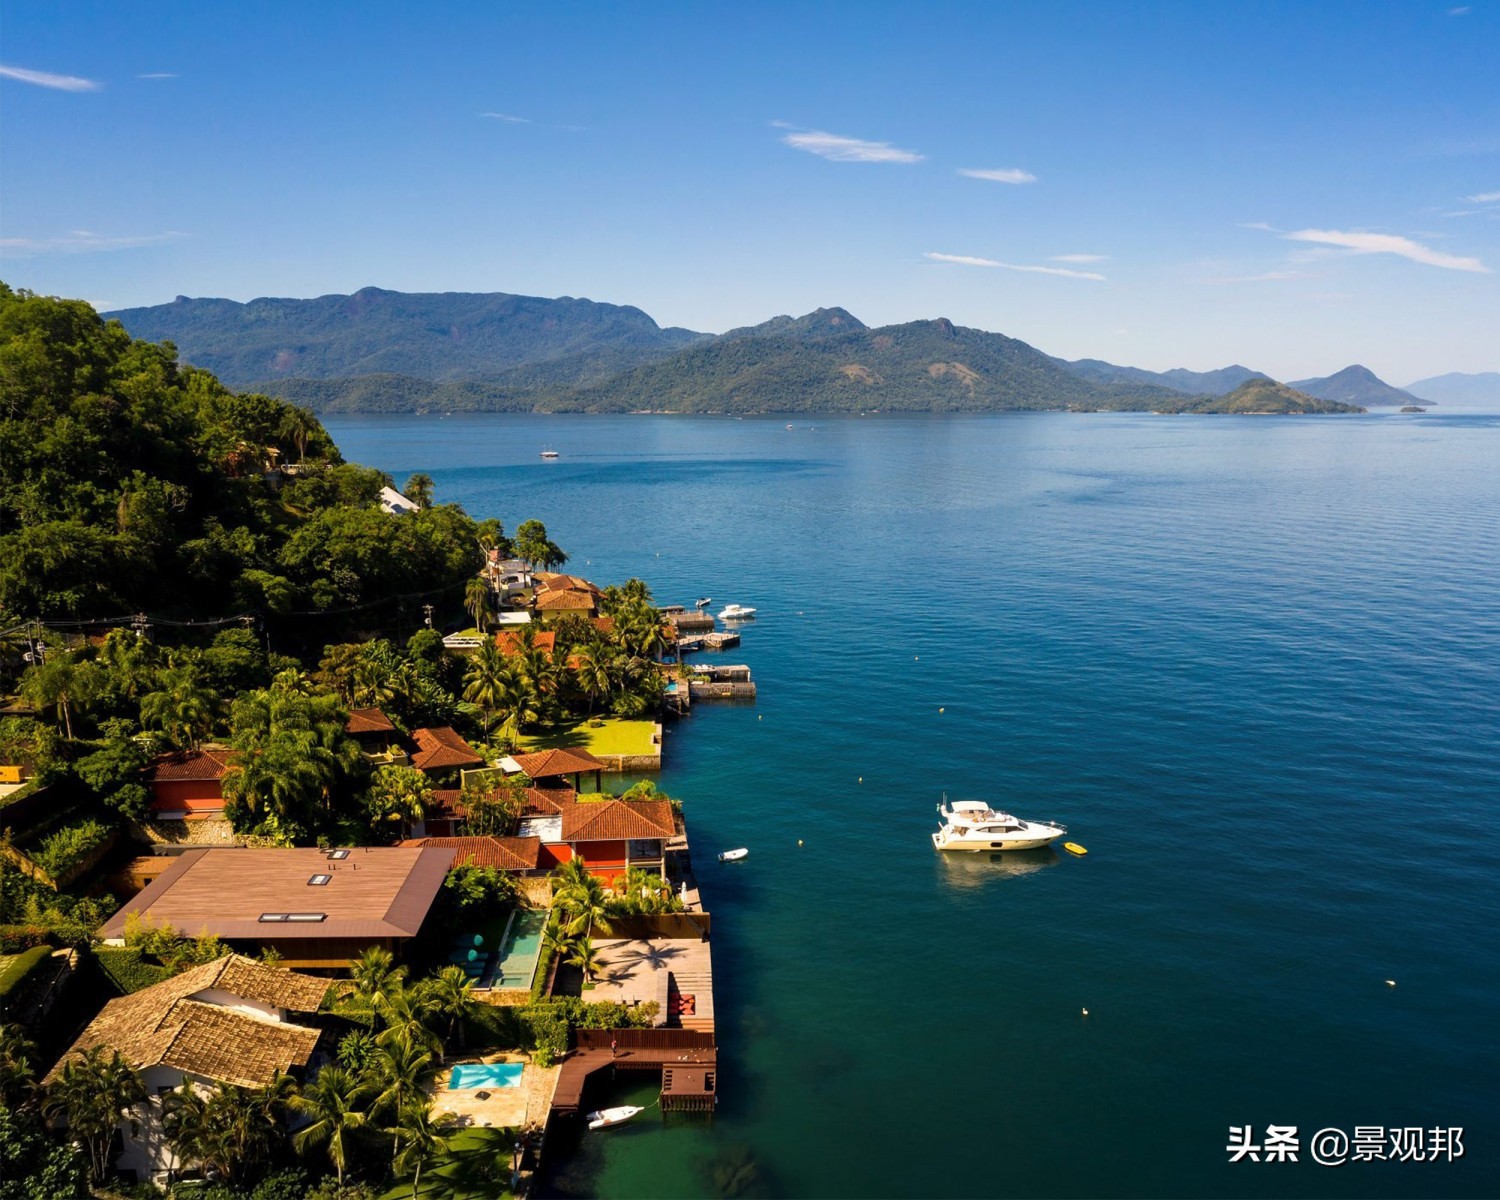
(521, 949)
(477, 1075)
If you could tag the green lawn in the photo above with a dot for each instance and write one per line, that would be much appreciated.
(476, 1167)
(614, 736)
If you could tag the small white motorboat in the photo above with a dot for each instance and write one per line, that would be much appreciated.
(736, 612)
(704, 602)
(605, 1117)
(734, 855)
(549, 453)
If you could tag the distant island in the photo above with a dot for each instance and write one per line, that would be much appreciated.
(381, 351)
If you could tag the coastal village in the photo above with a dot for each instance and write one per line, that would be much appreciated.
(316, 932)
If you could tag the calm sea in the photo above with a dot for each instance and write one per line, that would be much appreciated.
(1252, 663)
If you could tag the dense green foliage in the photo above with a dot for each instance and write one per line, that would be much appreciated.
(1192, 383)
(435, 336)
(63, 849)
(130, 482)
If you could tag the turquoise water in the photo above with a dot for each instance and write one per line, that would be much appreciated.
(522, 948)
(480, 1075)
(1252, 664)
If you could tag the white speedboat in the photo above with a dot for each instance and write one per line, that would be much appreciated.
(736, 612)
(549, 453)
(703, 602)
(605, 1117)
(734, 855)
(974, 825)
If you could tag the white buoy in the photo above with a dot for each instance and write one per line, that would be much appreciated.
(861, 779)
(1390, 983)
(799, 841)
(1085, 1012)
(942, 710)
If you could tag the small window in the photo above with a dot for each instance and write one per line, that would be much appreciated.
(306, 918)
(272, 917)
(319, 881)
(337, 854)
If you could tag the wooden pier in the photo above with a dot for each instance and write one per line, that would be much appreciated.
(721, 641)
(721, 691)
(691, 622)
(687, 1059)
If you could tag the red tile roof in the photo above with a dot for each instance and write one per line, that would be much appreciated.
(566, 600)
(549, 800)
(368, 720)
(604, 624)
(508, 853)
(446, 803)
(563, 761)
(615, 820)
(510, 642)
(440, 748)
(189, 765)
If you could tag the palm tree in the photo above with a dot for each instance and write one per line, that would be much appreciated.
(452, 996)
(419, 489)
(557, 940)
(376, 976)
(416, 1132)
(477, 600)
(334, 1105)
(591, 665)
(395, 1073)
(575, 870)
(405, 1013)
(586, 904)
(298, 426)
(181, 708)
(93, 1092)
(585, 958)
(485, 680)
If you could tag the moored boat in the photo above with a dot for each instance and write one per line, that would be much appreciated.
(605, 1117)
(703, 602)
(974, 825)
(734, 855)
(549, 453)
(736, 612)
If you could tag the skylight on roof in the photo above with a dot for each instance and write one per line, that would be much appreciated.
(338, 854)
(307, 918)
(319, 881)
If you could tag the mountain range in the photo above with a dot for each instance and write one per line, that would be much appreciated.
(1457, 388)
(384, 351)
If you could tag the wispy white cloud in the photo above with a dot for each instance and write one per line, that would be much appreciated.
(81, 241)
(1483, 198)
(1387, 243)
(1079, 258)
(967, 260)
(507, 118)
(158, 75)
(999, 174)
(1458, 12)
(63, 83)
(847, 149)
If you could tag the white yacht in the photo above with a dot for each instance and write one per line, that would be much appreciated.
(735, 612)
(974, 825)
(549, 453)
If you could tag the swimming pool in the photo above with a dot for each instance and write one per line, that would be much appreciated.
(477, 1075)
(520, 948)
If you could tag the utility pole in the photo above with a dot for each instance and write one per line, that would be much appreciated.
(427, 608)
(142, 625)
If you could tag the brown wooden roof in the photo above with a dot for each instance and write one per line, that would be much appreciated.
(441, 748)
(508, 853)
(163, 1026)
(564, 761)
(208, 763)
(368, 720)
(376, 892)
(616, 820)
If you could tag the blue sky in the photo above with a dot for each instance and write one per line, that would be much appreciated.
(1291, 186)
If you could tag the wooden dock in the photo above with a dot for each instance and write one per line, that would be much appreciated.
(691, 622)
(721, 641)
(687, 1059)
(721, 691)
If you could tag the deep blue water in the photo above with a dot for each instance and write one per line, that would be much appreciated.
(1253, 663)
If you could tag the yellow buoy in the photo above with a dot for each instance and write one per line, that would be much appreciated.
(1074, 848)
(942, 710)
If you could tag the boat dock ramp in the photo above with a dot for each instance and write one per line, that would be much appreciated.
(686, 1058)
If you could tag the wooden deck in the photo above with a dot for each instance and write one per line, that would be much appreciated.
(687, 1059)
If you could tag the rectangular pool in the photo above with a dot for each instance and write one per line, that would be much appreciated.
(480, 1075)
(520, 949)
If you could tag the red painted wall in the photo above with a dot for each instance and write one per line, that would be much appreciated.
(197, 796)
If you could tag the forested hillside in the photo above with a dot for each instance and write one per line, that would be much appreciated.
(129, 482)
